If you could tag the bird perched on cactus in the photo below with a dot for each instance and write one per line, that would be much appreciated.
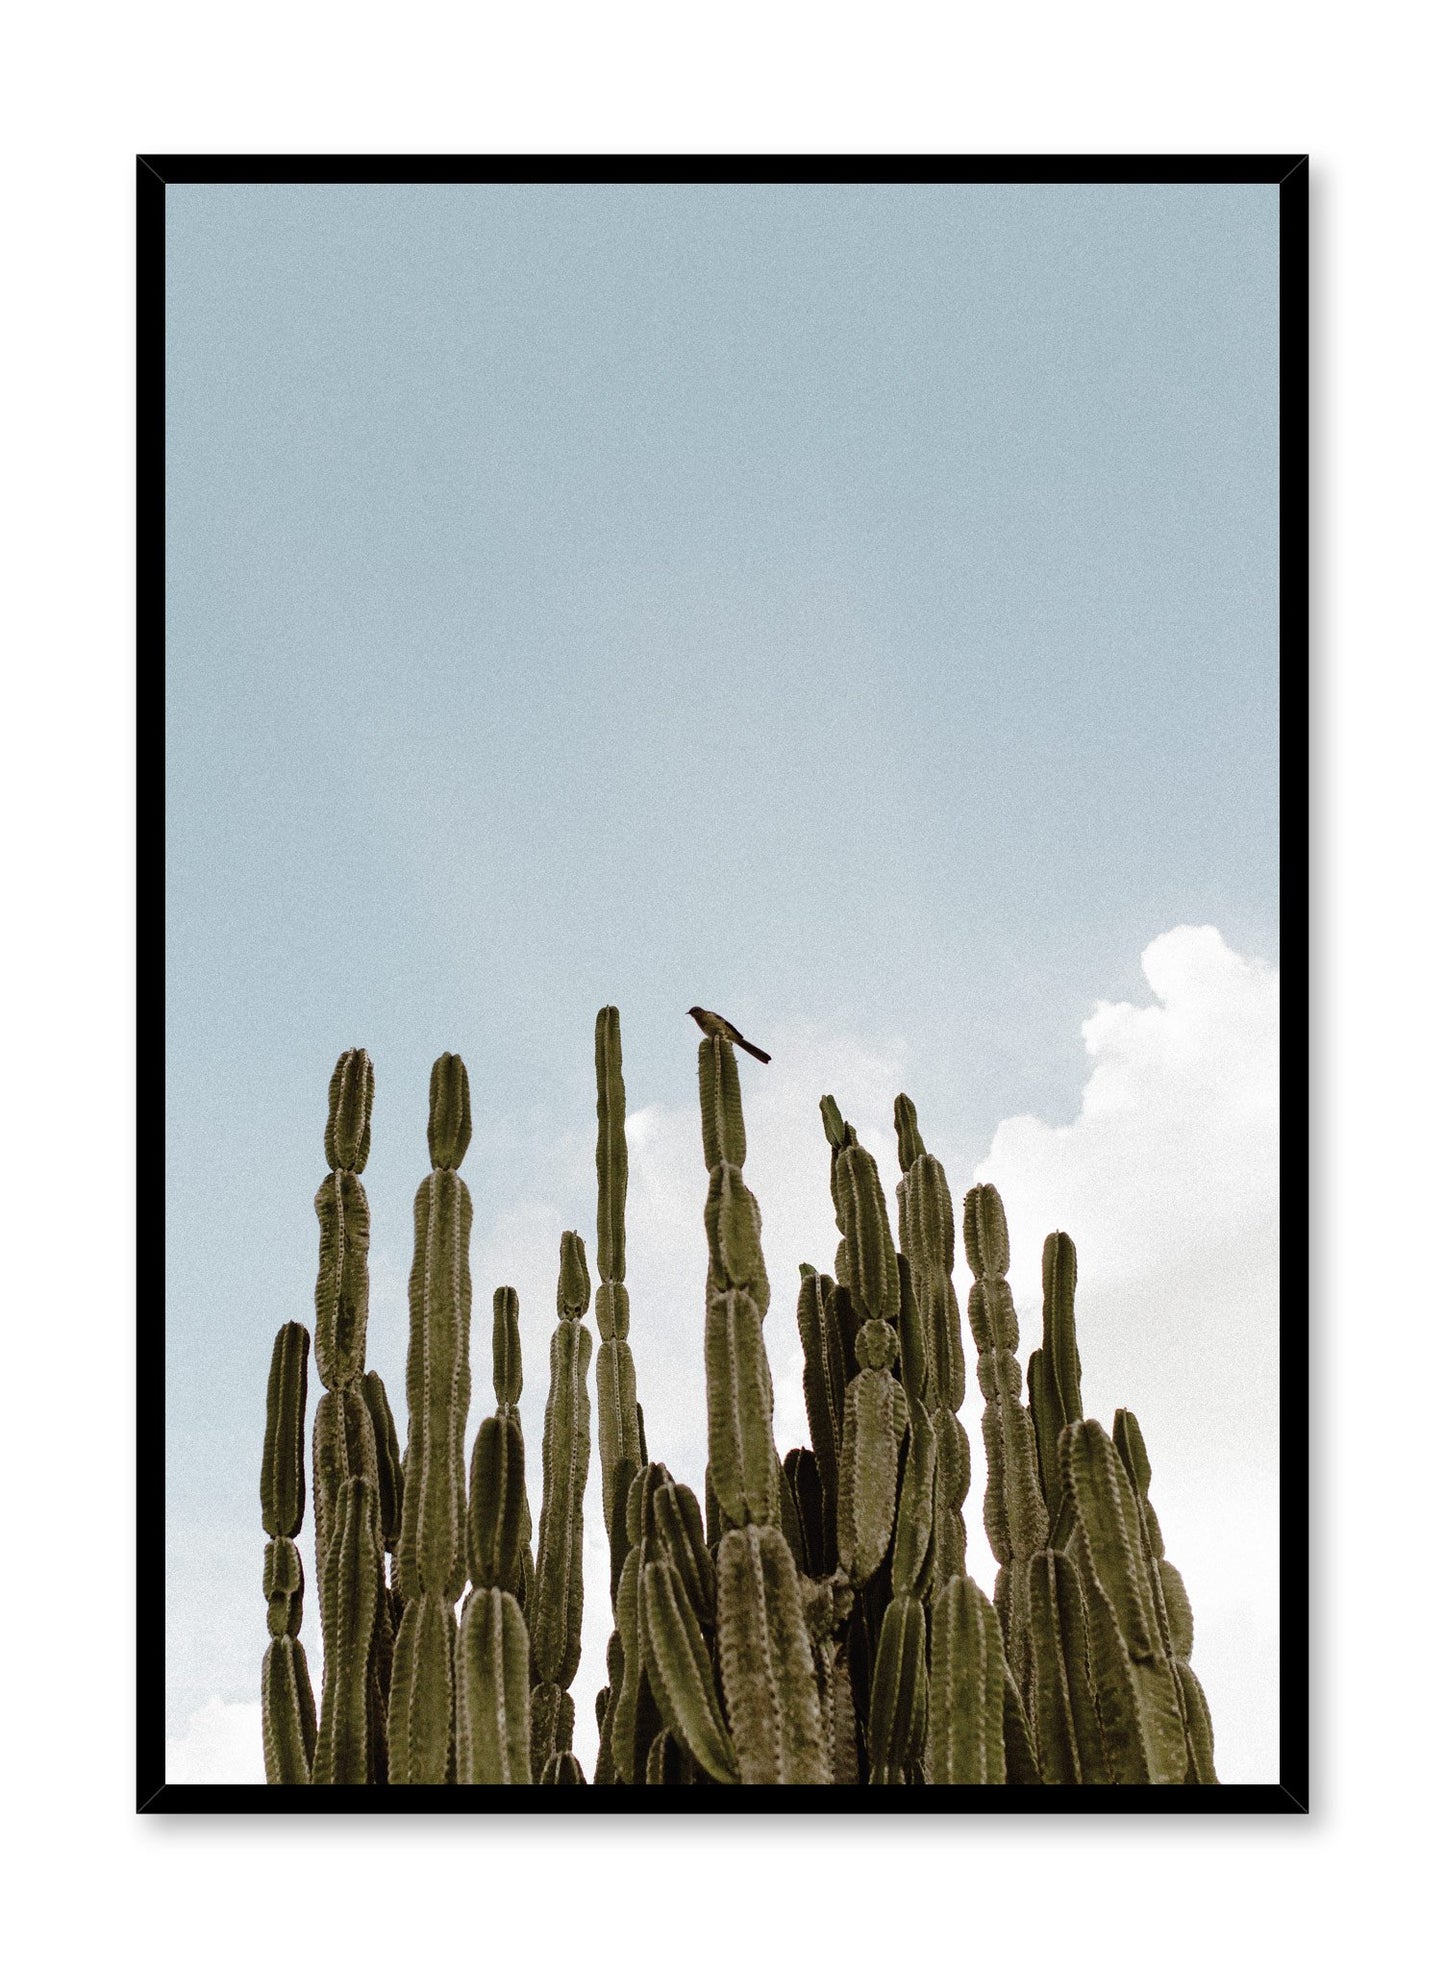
(717, 1027)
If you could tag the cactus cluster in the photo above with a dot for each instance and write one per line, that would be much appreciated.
(812, 1620)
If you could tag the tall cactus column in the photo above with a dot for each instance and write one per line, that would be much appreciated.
(769, 1685)
(344, 1436)
(619, 1433)
(494, 1732)
(555, 1609)
(431, 1553)
(1014, 1514)
(288, 1707)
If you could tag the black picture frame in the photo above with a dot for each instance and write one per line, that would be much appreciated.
(1289, 172)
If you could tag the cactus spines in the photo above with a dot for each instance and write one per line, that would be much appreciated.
(388, 1457)
(873, 1429)
(283, 1456)
(611, 1147)
(288, 1713)
(741, 1456)
(494, 1730)
(288, 1706)
(449, 1112)
(898, 1710)
(825, 1374)
(724, 1138)
(1067, 1737)
(506, 1347)
(619, 1425)
(1176, 1616)
(679, 1670)
(343, 1446)
(497, 1504)
(967, 1688)
(1098, 1488)
(342, 1284)
(555, 1610)
(431, 1554)
(348, 1112)
(1014, 1512)
(1053, 1374)
(421, 1717)
(913, 1552)
(863, 1220)
(350, 1595)
(768, 1680)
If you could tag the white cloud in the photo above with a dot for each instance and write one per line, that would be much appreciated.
(1167, 1181)
(221, 1745)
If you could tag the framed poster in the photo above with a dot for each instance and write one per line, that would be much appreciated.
(734, 807)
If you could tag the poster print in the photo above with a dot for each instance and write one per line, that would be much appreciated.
(731, 817)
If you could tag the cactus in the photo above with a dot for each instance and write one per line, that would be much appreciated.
(432, 1549)
(813, 1622)
(353, 1438)
(555, 1609)
(1014, 1513)
(764, 1653)
(288, 1707)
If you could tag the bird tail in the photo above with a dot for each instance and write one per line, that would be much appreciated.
(756, 1051)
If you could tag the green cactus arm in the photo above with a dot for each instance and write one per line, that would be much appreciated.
(343, 1446)
(449, 1112)
(618, 1442)
(1112, 1547)
(421, 1717)
(1171, 1601)
(1014, 1512)
(555, 1610)
(867, 1473)
(733, 1223)
(680, 1671)
(1061, 1271)
(288, 1713)
(388, 1456)
(1021, 1764)
(825, 1374)
(562, 1768)
(574, 1283)
(967, 1678)
(496, 1503)
(554, 1717)
(283, 1455)
(950, 1487)
(913, 1530)
(343, 1289)
(898, 1705)
(673, 1520)
(1067, 1735)
(282, 1583)
(348, 1112)
(905, 1123)
(724, 1138)
(800, 1474)
(350, 1591)
(872, 1260)
(611, 1150)
(432, 1549)
(493, 1691)
(1198, 1724)
(1047, 1418)
(635, 1718)
(506, 1346)
(741, 1456)
(771, 1693)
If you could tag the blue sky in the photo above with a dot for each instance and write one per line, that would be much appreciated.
(850, 607)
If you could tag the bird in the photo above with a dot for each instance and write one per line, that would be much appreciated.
(717, 1027)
